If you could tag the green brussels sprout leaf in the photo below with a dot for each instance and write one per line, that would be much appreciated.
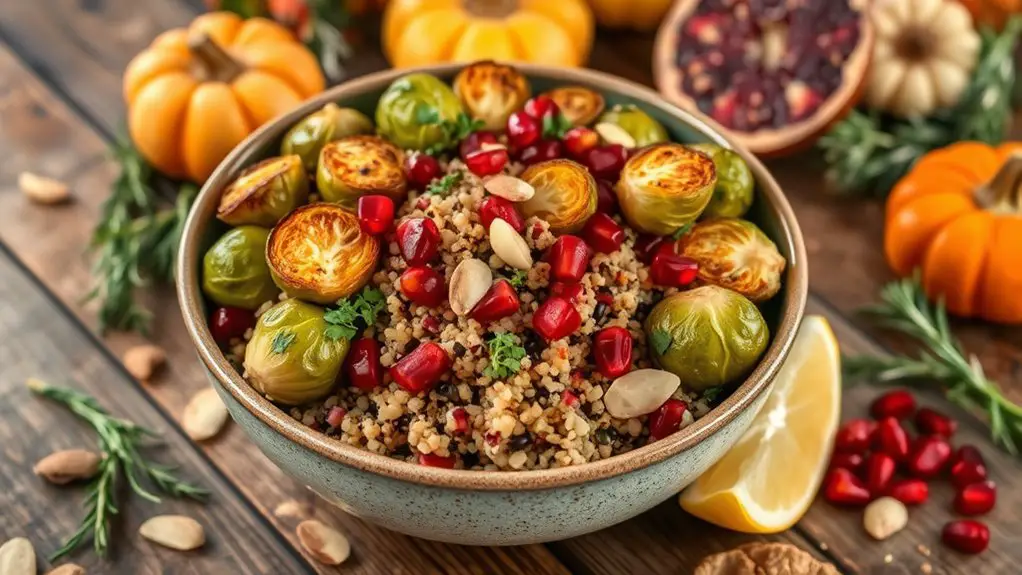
(661, 340)
(282, 340)
(352, 314)
(425, 114)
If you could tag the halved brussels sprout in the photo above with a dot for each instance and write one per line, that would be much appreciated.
(640, 125)
(707, 336)
(319, 253)
(735, 254)
(735, 186)
(290, 359)
(665, 186)
(566, 195)
(580, 105)
(265, 192)
(360, 165)
(491, 92)
(234, 270)
(329, 123)
(412, 111)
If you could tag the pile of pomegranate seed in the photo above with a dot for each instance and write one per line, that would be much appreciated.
(869, 456)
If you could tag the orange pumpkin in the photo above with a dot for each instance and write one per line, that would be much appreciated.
(195, 93)
(957, 216)
(993, 13)
(420, 32)
(642, 15)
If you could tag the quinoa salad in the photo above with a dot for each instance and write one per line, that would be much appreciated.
(485, 278)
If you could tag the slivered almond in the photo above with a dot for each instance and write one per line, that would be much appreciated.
(174, 531)
(469, 283)
(326, 544)
(510, 188)
(43, 190)
(61, 467)
(143, 361)
(204, 415)
(614, 134)
(509, 245)
(639, 392)
(17, 557)
(67, 569)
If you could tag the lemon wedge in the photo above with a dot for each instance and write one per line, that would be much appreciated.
(767, 481)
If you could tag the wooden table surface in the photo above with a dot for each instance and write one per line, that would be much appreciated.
(60, 107)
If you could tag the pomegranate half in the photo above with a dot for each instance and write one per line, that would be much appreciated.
(775, 74)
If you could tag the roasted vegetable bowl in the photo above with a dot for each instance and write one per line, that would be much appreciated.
(532, 271)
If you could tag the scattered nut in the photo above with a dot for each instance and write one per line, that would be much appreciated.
(204, 415)
(639, 392)
(509, 245)
(510, 188)
(289, 508)
(772, 558)
(43, 190)
(469, 283)
(62, 467)
(884, 517)
(326, 544)
(174, 531)
(67, 569)
(143, 361)
(614, 134)
(17, 557)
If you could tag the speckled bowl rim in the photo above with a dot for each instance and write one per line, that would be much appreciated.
(190, 297)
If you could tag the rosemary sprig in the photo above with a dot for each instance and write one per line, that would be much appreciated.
(905, 309)
(121, 441)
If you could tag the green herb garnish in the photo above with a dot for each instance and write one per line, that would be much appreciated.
(518, 278)
(711, 394)
(445, 185)
(454, 130)
(282, 340)
(353, 314)
(660, 340)
(556, 125)
(682, 231)
(505, 356)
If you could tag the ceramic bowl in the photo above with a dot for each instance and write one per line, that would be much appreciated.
(493, 507)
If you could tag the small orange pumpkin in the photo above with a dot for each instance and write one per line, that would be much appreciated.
(195, 93)
(993, 13)
(958, 217)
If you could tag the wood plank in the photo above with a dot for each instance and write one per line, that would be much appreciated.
(58, 144)
(40, 341)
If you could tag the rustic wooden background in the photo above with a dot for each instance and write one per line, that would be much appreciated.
(60, 107)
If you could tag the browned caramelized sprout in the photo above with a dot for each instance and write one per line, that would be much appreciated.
(664, 187)
(491, 92)
(265, 192)
(735, 254)
(329, 123)
(360, 165)
(566, 195)
(580, 105)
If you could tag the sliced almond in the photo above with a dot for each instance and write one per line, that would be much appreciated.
(326, 544)
(174, 531)
(17, 557)
(614, 134)
(204, 415)
(143, 361)
(469, 283)
(488, 146)
(61, 467)
(510, 188)
(509, 245)
(67, 569)
(43, 190)
(639, 392)
(884, 517)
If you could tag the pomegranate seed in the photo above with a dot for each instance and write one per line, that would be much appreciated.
(606, 202)
(541, 151)
(487, 162)
(966, 535)
(842, 487)
(434, 460)
(423, 285)
(421, 169)
(431, 324)
(933, 422)
(672, 270)
(606, 161)
(375, 214)
(568, 290)
(492, 438)
(603, 233)
(522, 130)
(228, 323)
(854, 436)
(540, 106)
(362, 364)
(605, 297)
(647, 246)
(967, 466)
(850, 461)
(612, 350)
(929, 456)
(556, 318)
(910, 491)
(666, 419)
(460, 417)
(422, 369)
(976, 499)
(569, 257)
(498, 302)
(569, 398)
(335, 416)
(892, 439)
(494, 207)
(579, 140)
(880, 469)
(898, 404)
(422, 203)
(475, 142)
(418, 239)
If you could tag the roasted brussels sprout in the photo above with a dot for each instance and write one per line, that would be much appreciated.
(265, 192)
(665, 186)
(580, 105)
(234, 270)
(491, 92)
(412, 111)
(639, 125)
(329, 123)
(732, 195)
(707, 336)
(319, 253)
(735, 254)
(360, 165)
(290, 359)
(566, 194)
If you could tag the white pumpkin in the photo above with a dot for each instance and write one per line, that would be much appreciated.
(924, 55)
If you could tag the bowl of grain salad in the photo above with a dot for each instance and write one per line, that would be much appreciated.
(492, 304)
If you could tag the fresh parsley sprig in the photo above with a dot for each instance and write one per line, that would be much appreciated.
(454, 130)
(354, 313)
(518, 278)
(505, 356)
(445, 185)
(556, 125)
